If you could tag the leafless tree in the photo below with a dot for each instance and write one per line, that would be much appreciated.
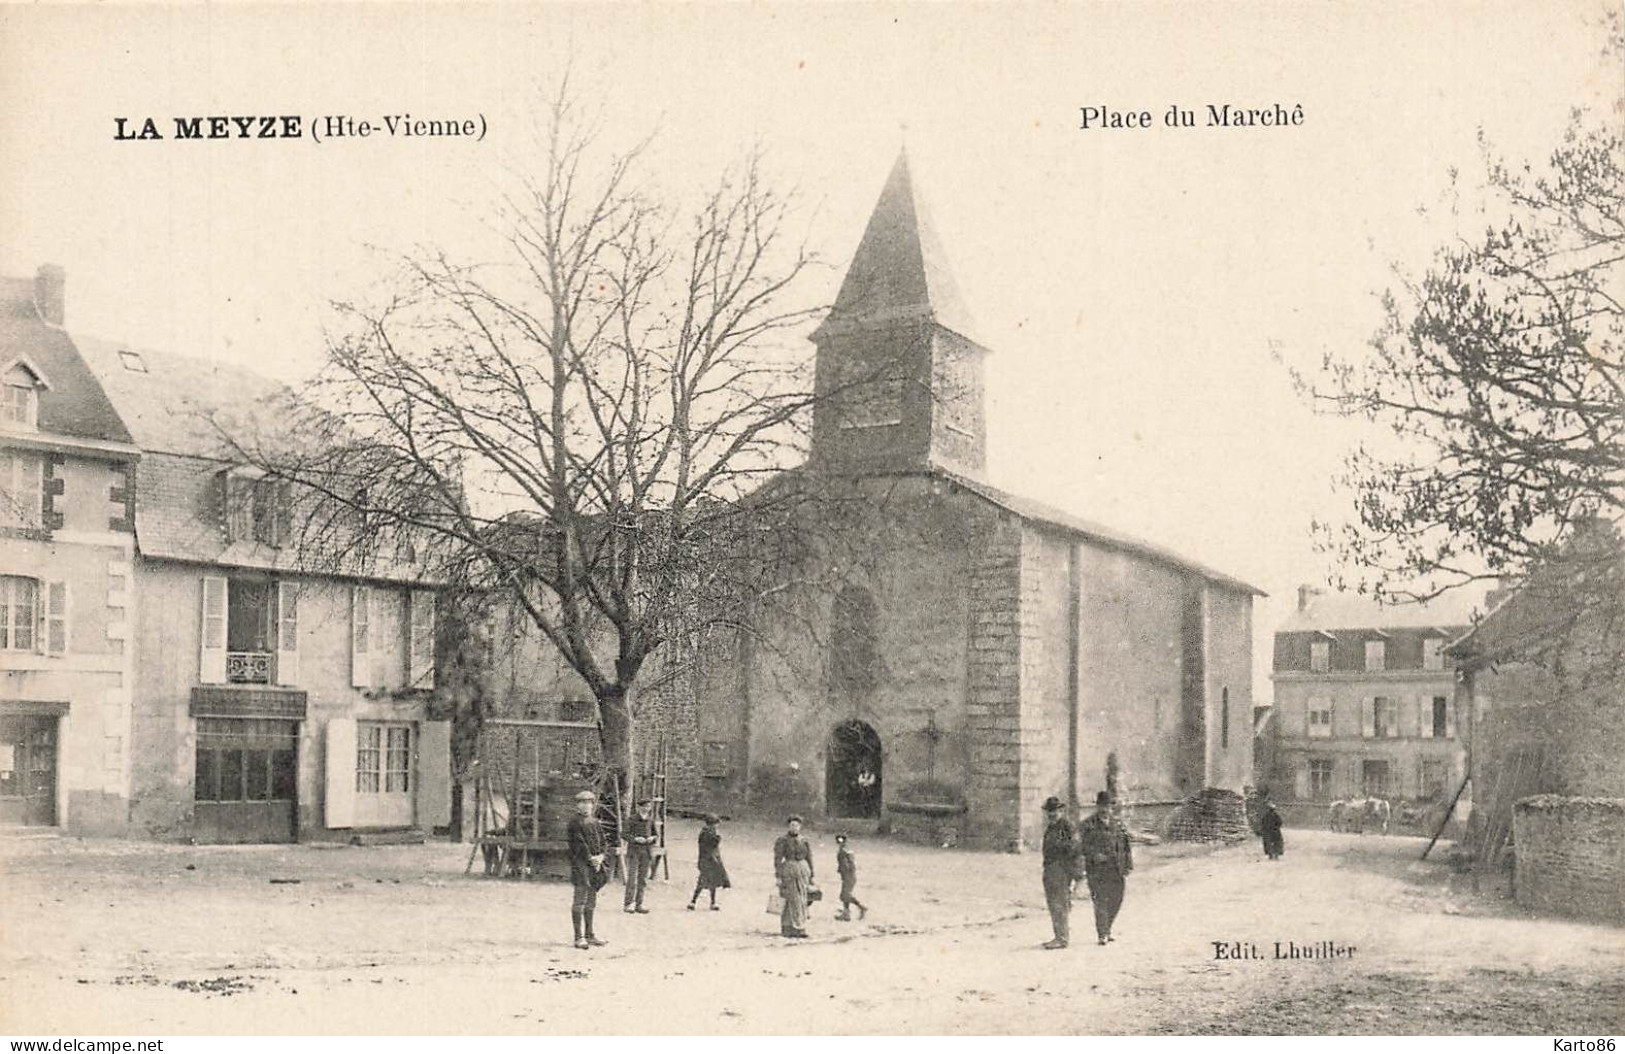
(1499, 374)
(593, 428)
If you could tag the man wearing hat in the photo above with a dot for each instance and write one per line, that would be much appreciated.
(587, 874)
(1107, 859)
(1060, 869)
(641, 835)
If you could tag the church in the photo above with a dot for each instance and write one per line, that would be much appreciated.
(984, 651)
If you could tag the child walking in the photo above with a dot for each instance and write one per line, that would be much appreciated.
(713, 876)
(848, 867)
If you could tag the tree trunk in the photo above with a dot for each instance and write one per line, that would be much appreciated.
(616, 735)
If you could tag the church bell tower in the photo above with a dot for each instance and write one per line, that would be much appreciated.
(900, 372)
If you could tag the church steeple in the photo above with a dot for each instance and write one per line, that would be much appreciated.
(898, 362)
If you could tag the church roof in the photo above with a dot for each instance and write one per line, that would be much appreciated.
(899, 270)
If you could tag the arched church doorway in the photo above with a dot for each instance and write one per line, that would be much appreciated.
(852, 772)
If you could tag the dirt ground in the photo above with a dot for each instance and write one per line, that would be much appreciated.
(126, 938)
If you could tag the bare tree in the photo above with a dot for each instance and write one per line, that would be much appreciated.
(592, 427)
(1499, 374)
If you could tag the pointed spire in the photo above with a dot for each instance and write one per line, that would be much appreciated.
(900, 271)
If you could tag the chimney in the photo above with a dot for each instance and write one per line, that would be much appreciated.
(1307, 595)
(49, 283)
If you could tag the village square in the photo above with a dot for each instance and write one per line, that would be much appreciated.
(624, 620)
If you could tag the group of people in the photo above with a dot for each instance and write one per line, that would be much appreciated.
(792, 867)
(1097, 852)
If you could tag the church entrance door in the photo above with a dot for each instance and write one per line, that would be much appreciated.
(852, 773)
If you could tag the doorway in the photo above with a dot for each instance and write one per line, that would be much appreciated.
(852, 772)
(27, 770)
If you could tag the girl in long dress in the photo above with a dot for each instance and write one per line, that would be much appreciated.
(792, 863)
(713, 875)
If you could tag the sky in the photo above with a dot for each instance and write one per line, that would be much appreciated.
(1142, 290)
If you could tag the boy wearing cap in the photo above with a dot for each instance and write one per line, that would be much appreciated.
(1060, 870)
(848, 868)
(1108, 859)
(586, 842)
(641, 834)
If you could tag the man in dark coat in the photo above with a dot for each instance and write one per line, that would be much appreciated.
(641, 835)
(587, 875)
(1060, 870)
(1107, 860)
(1269, 829)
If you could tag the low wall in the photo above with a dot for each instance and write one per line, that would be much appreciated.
(1570, 856)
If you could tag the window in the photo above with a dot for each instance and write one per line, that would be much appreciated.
(1320, 719)
(1320, 778)
(20, 406)
(1433, 775)
(22, 489)
(1224, 718)
(1376, 655)
(259, 508)
(1376, 779)
(19, 613)
(1443, 726)
(383, 758)
(1320, 656)
(1432, 653)
(245, 759)
(1384, 717)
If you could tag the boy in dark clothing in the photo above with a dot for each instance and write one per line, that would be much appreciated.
(587, 851)
(642, 833)
(848, 867)
(713, 875)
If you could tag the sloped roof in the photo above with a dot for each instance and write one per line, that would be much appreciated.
(900, 270)
(176, 404)
(75, 404)
(1348, 611)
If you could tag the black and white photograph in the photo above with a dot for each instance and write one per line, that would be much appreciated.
(812, 519)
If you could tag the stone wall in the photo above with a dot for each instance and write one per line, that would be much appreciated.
(1570, 856)
(1583, 744)
(993, 693)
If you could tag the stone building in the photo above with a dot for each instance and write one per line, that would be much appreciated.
(1542, 674)
(67, 543)
(1365, 700)
(273, 697)
(984, 651)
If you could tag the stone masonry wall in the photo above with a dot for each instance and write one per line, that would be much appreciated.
(993, 707)
(1570, 856)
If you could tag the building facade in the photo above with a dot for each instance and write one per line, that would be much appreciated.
(983, 651)
(67, 545)
(1365, 701)
(275, 696)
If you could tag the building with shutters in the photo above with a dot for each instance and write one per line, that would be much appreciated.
(269, 701)
(1365, 700)
(67, 547)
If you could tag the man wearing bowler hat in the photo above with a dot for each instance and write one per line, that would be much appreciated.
(1060, 869)
(1107, 859)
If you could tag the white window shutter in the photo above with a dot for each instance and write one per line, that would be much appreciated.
(434, 774)
(360, 636)
(1424, 723)
(1368, 717)
(338, 803)
(54, 608)
(1450, 719)
(420, 658)
(212, 634)
(287, 633)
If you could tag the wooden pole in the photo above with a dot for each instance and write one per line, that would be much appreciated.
(1448, 813)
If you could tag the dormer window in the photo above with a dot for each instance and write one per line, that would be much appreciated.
(259, 508)
(20, 408)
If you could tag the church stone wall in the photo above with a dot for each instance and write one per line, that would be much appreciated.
(1046, 686)
(1129, 676)
(1229, 676)
(993, 699)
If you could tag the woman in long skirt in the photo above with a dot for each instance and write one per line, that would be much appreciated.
(1269, 828)
(792, 863)
(713, 876)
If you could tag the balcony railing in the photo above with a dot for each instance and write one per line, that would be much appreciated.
(250, 667)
